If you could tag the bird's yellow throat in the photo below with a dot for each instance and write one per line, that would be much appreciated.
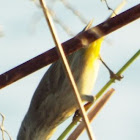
(93, 52)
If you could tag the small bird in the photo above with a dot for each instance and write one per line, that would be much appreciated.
(53, 101)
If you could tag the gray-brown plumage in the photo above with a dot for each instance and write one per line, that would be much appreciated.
(53, 101)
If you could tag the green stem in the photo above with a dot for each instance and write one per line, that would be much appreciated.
(67, 130)
(111, 81)
(100, 93)
(128, 63)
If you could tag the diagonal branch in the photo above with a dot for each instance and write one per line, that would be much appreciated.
(70, 46)
(67, 68)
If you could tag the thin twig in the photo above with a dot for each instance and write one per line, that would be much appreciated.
(2, 128)
(118, 8)
(69, 46)
(2, 125)
(67, 69)
(109, 8)
(56, 19)
(75, 12)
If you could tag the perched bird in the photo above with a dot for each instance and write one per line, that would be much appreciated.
(53, 101)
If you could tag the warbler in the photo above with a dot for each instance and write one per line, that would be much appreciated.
(53, 101)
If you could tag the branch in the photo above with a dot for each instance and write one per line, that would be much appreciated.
(70, 46)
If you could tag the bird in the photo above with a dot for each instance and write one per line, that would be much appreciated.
(53, 101)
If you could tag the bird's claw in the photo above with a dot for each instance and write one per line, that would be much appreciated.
(77, 116)
(115, 76)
